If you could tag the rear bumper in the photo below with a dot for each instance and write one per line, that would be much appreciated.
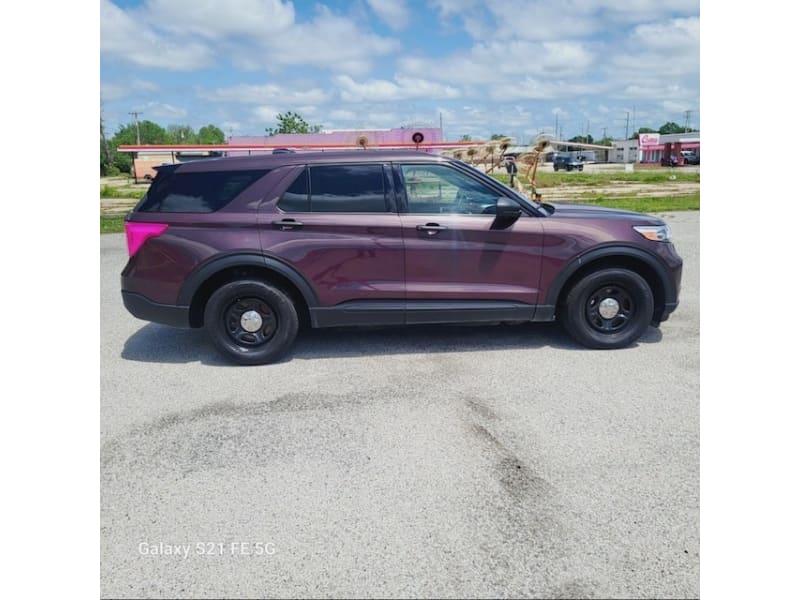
(166, 314)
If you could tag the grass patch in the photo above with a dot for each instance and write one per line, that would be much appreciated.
(545, 179)
(112, 224)
(644, 204)
(111, 191)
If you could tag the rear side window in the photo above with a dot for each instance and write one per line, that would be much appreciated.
(296, 199)
(337, 189)
(200, 192)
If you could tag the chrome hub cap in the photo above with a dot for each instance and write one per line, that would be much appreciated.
(608, 309)
(251, 321)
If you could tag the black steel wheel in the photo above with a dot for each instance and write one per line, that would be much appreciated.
(251, 322)
(610, 308)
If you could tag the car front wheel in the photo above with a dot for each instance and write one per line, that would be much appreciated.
(251, 322)
(610, 308)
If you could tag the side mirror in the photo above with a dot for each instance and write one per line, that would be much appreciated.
(506, 213)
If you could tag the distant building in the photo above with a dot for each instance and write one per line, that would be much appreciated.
(624, 151)
(655, 148)
(341, 139)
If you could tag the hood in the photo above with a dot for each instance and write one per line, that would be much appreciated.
(581, 211)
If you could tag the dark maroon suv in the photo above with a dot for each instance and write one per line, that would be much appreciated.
(250, 247)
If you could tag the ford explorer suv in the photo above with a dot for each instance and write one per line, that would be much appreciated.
(251, 247)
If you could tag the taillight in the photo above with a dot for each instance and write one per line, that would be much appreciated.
(139, 233)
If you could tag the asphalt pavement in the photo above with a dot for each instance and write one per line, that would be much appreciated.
(446, 461)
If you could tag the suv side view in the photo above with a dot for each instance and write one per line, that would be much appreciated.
(251, 247)
(566, 162)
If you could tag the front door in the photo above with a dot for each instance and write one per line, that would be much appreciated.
(453, 252)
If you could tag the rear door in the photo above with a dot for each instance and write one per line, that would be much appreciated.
(337, 225)
(452, 250)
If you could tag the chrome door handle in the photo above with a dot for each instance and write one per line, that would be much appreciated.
(431, 228)
(286, 224)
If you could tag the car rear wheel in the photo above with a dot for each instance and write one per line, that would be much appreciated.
(610, 308)
(251, 322)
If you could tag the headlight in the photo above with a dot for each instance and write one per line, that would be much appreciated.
(656, 233)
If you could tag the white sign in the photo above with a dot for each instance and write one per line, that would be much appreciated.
(649, 139)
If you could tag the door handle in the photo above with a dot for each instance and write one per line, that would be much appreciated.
(431, 228)
(287, 224)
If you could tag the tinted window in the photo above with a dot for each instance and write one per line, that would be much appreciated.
(196, 192)
(441, 189)
(295, 199)
(348, 188)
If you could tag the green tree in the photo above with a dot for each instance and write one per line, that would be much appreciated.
(291, 122)
(498, 136)
(210, 134)
(670, 127)
(149, 132)
(465, 138)
(635, 136)
(582, 139)
(181, 134)
(606, 141)
(106, 156)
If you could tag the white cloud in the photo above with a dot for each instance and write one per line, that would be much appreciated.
(676, 34)
(162, 110)
(265, 113)
(119, 90)
(252, 34)
(328, 41)
(290, 94)
(392, 12)
(502, 63)
(125, 37)
(403, 88)
(217, 20)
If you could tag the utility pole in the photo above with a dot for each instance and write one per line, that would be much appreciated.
(686, 123)
(627, 121)
(634, 119)
(136, 120)
(555, 131)
(605, 129)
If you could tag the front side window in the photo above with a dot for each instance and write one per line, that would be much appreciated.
(434, 189)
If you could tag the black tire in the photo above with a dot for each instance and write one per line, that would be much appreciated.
(591, 324)
(580, 168)
(555, 168)
(569, 168)
(271, 311)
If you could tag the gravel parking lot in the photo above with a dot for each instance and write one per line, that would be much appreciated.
(431, 461)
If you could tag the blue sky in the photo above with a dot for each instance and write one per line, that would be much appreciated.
(487, 66)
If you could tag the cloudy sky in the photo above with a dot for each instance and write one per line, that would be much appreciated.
(489, 66)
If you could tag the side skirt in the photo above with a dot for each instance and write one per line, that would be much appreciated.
(398, 312)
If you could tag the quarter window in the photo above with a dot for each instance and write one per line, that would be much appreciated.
(200, 192)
